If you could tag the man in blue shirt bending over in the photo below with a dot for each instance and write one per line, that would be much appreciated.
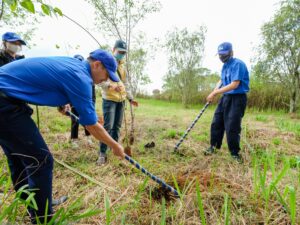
(49, 81)
(230, 111)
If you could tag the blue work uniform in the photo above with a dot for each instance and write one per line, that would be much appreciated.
(231, 107)
(51, 81)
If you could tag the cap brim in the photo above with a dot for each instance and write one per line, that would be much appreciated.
(122, 49)
(22, 42)
(113, 76)
(223, 52)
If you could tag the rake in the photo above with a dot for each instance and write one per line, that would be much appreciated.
(139, 167)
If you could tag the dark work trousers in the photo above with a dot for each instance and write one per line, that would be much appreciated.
(28, 156)
(228, 117)
(75, 124)
(113, 117)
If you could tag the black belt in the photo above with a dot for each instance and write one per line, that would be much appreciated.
(11, 99)
(3, 95)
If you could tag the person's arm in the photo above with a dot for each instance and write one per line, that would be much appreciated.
(101, 134)
(105, 85)
(218, 85)
(233, 85)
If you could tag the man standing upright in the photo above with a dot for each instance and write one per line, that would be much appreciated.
(113, 100)
(231, 107)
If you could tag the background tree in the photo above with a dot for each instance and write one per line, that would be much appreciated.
(118, 19)
(137, 62)
(185, 53)
(16, 13)
(279, 52)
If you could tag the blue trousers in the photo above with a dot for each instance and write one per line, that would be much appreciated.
(113, 117)
(28, 156)
(228, 118)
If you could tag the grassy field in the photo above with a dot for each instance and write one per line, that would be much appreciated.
(213, 189)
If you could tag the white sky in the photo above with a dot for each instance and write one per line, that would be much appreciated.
(237, 21)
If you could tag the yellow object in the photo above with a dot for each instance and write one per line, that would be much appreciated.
(109, 93)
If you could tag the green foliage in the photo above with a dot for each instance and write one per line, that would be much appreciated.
(261, 118)
(200, 204)
(291, 126)
(226, 208)
(10, 210)
(24, 15)
(276, 141)
(184, 73)
(107, 210)
(137, 62)
(293, 205)
(118, 19)
(163, 212)
(267, 95)
(279, 51)
(29, 6)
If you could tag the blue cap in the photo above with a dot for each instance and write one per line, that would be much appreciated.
(121, 45)
(11, 37)
(108, 62)
(79, 57)
(224, 48)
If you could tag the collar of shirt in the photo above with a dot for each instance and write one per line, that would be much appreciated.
(229, 61)
(88, 67)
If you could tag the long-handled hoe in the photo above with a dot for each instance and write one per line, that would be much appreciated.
(138, 166)
(192, 125)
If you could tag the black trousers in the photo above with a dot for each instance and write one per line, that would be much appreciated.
(28, 156)
(75, 124)
(228, 118)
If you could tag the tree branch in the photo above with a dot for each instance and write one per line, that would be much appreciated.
(2, 9)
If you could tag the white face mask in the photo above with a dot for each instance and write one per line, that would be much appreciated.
(13, 48)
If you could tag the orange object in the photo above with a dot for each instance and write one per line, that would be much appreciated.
(101, 120)
(127, 151)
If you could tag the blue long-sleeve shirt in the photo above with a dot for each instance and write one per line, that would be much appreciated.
(51, 81)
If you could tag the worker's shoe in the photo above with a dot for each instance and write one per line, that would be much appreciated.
(56, 202)
(211, 150)
(237, 157)
(89, 141)
(74, 144)
(102, 160)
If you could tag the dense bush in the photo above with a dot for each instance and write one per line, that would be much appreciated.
(262, 96)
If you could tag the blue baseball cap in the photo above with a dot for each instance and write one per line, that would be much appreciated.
(224, 48)
(121, 45)
(11, 37)
(79, 57)
(108, 62)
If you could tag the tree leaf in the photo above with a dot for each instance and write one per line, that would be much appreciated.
(12, 4)
(58, 11)
(46, 9)
(28, 5)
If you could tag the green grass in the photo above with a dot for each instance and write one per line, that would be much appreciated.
(213, 189)
(261, 118)
(276, 141)
(291, 126)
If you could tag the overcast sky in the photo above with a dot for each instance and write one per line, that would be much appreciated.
(237, 21)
